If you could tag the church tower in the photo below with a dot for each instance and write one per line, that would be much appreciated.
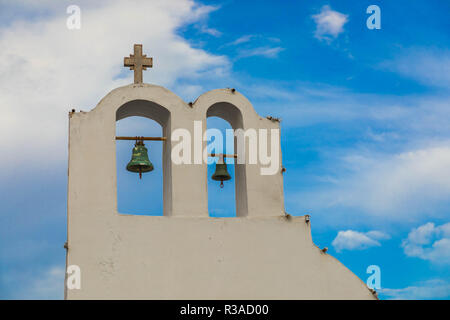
(262, 253)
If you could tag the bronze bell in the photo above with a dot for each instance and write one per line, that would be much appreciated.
(221, 173)
(139, 162)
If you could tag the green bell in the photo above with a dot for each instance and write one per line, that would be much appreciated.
(139, 162)
(221, 173)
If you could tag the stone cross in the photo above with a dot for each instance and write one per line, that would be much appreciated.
(138, 62)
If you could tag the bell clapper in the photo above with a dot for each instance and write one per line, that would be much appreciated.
(221, 183)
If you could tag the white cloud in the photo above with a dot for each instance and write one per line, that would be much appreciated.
(45, 284)
(256, 45)
(306, 104)
(267, 52)
(200, 15)
(431, 289)
(250, 37)
(398, 182)
(377, 235)
(429, 242)
(396, 168)
(402, 187)
(46, 69)
(426, 65)
(240, 40)
(49, 285)
(388, 160)
(210, 31)
(355, 240)
(329, 24)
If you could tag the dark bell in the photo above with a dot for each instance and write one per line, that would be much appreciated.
(221, 173)
(139, 162)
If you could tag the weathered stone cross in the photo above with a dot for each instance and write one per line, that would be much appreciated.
(138, 62)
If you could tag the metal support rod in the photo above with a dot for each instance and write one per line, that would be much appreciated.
(224, 155)
(142, 138)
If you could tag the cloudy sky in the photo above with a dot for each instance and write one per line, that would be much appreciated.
(365, 121)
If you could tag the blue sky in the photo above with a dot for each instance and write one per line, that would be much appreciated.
(365, 121)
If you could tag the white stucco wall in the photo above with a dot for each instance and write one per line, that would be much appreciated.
(185, 254)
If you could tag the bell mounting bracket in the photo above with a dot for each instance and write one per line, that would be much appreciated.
(142, 138)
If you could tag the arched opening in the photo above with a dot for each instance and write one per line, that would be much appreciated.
(221, 200)
(150, 195)
(224, 116)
